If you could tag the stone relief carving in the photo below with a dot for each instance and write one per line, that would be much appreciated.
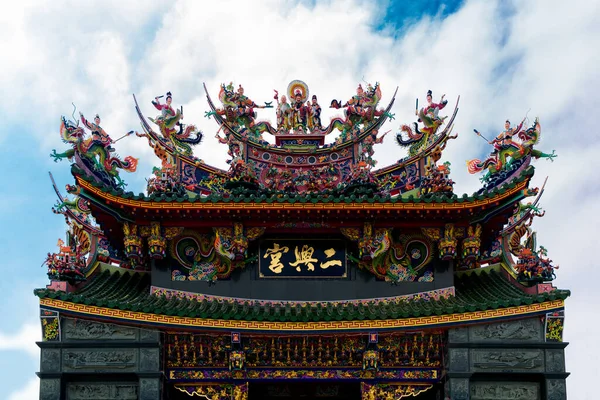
(458, 360)
(149, 359)
(556, 389)
(525, 329)
(50, 389)
(458, 335)
(148, 335)
(555, 361)
(459, 389)
(88, 330)
(149, 389)
(97, 391)
(50, 360)
(505, 391)
(113, 359)
(507, 360)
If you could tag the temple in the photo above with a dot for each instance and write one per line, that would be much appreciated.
(302, 271)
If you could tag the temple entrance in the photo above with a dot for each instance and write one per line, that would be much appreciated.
(304, 390)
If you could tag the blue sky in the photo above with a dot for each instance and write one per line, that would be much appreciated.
(503, 58)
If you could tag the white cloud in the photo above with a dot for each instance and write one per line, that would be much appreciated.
(502, 58)
(22, 340)
(31, 391)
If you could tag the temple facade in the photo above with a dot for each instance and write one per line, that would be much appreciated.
(302, 271)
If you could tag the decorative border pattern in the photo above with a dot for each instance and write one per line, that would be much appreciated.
(170, 321)
(409, 374)
(297, 206)
(180, 294)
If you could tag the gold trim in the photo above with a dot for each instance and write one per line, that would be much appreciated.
(208, 323)
(297, 206)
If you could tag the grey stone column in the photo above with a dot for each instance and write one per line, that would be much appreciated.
(50, 389)
(150, 389)
(459, 388)
(556, 389)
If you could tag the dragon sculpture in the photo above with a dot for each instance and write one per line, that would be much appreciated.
(181, 139)
(92, 156)
(509, 158)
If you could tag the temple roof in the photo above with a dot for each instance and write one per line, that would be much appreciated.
(131, 291)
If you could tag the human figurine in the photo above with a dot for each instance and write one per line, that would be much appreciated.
(354, 106)
(299, 111)
(432, 109)
(97, 132)
(169, 118)
(504, 139)
(283, 113)
(245, 106)
(315, 113)
(165, 109)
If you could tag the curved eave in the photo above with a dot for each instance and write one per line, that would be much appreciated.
(394, 204)
(176, 322)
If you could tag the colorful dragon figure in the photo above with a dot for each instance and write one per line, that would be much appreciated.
(511, 156)
(169, 120)
(93, 156)
(360, 109)
(238, 111)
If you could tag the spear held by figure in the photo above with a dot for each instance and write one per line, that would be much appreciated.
(480, 135)
(417, 107)
(124, 136)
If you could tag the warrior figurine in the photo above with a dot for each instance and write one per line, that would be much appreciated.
(504, 139)
(97, 132)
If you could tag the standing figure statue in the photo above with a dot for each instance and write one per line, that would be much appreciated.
(315, 114)
(283, 113)
(298, 118)
(98, 133)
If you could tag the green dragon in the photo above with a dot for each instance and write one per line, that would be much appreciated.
(92, 156)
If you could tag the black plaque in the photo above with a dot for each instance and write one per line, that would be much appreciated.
(302, 258)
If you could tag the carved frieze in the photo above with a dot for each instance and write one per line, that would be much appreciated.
(149, 389)
(507, 360)
(149, 360)
(459, 389)
(520, 330)
(555, 361)
(50, 360)
(556, 389)
(505, 391)
(147, 335)
(99, 360)
(50, 389)
(102, 391)
(458, 335)
(90, 330)
(458, 360)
